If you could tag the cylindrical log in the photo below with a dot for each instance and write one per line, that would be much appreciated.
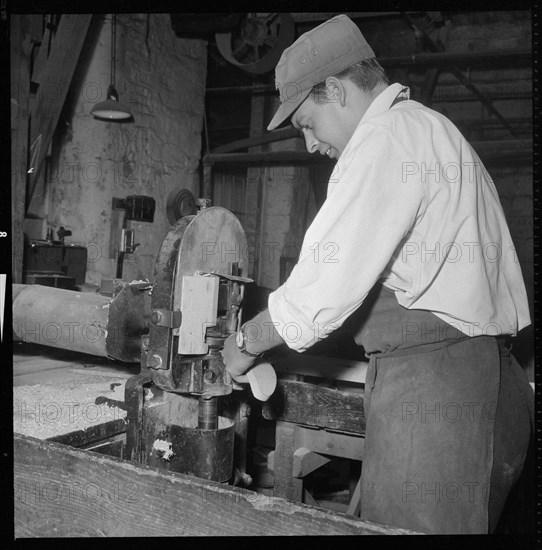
(61, 318)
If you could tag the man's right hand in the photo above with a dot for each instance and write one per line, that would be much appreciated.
(236, 362)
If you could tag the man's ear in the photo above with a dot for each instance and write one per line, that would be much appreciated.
(335, 90)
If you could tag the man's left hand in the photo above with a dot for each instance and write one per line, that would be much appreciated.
(236, 362)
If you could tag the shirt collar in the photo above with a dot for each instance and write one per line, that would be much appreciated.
(380, 104)
(384, 99)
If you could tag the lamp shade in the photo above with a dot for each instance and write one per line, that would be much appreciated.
(110, 109)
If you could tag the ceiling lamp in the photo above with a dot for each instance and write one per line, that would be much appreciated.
(111, 108)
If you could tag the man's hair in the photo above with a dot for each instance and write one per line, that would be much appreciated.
(365, 74)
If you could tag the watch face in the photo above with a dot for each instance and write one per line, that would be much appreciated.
(239, 339)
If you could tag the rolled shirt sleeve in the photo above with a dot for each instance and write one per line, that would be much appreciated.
(369, 210)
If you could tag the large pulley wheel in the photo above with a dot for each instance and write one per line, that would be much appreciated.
(257, 45)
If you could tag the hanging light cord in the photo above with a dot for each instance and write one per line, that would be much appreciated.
(113, 46)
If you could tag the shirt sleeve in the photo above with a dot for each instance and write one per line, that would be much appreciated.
(372, 204)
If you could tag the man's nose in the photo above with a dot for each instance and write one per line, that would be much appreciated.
(311, 143)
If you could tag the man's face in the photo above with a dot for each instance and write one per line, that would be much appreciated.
(320, 124)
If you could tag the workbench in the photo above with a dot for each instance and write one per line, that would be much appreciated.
(61, 396)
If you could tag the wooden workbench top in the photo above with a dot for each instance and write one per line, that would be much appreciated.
(55, 391)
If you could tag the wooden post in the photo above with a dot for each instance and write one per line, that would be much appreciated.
(207, 184)
(286, 486)
(20, 50)
(254, 193)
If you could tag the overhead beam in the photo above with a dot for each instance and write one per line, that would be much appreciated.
(439, 59)
(488, 150)
(55, 80)
(464, 79)
(435, 59)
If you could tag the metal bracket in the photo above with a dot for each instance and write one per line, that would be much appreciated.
(166, 318)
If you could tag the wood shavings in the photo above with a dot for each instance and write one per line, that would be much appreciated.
(148, 394)
(163, 447)
(48, 410)
(140, 282)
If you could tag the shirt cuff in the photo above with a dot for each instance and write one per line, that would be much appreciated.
(290, 324)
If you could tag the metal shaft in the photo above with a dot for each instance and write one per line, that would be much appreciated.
(208, 413)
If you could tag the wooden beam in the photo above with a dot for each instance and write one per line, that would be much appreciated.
(20, 51)
(351, 446)
(488, 150)
(303, 403)
(55, 80)
(254, 192)
(61, 491)
(306, 461)
(355, 502)
(285, 485)
(252, 142)
(329, 368)
(269, 157)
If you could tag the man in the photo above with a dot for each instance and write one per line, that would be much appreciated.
(411, 250)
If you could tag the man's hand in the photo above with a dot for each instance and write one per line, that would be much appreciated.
(236, 363)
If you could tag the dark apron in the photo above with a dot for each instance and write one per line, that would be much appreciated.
(448, 421)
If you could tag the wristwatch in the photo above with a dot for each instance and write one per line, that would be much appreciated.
(240, 340)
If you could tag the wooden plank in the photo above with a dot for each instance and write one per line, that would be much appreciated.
(330, 368)
(55, 80)
(254, 142)
(350, 446)
(92, 435)
(102, 372)
(306, 461)
(40, 364)
(254, 206)
(355, 503)
(60, 491)
(20, 51)
(311, 405)
(285, 485)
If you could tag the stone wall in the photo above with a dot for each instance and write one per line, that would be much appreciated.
(161, 78)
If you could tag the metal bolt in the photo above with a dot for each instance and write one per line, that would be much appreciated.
(156, 316)
(155, 361)
(210, 376)
(203, 203)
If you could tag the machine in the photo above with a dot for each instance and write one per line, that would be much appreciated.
(181, 414)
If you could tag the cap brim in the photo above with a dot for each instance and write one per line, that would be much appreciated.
(287, 109)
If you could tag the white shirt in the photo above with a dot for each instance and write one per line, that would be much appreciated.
(408, 203)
